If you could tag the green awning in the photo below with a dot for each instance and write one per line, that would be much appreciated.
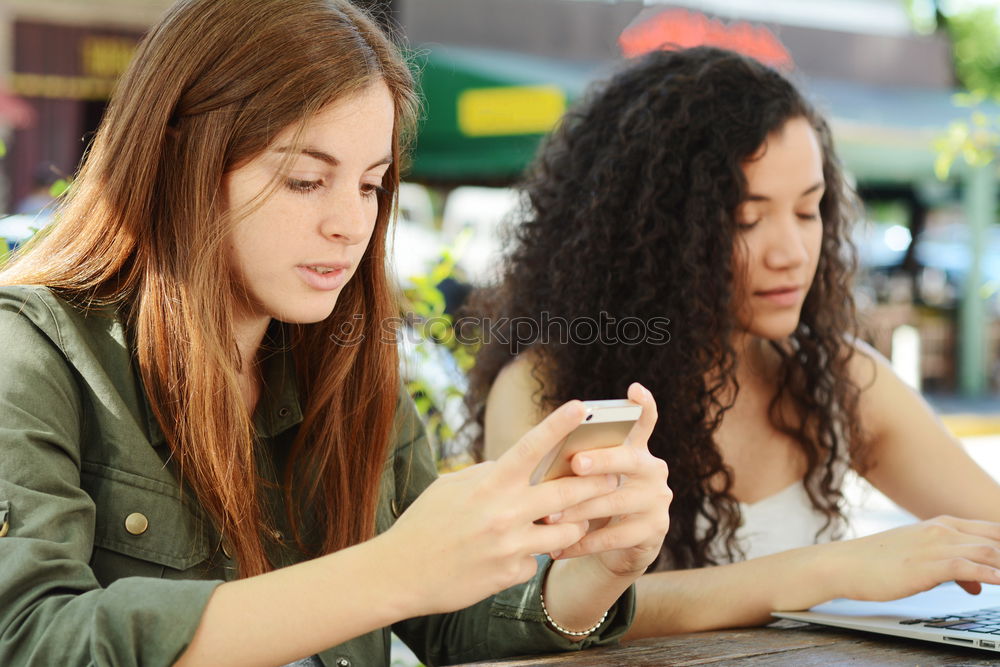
(485, 111)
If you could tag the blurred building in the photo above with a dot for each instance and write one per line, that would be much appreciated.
(62, 58)
(497, 75)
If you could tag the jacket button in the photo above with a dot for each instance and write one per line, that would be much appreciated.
(136, 523)
(343, 662)
(284, 412)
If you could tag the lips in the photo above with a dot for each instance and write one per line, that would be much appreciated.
(782, 297)
(777, 290)
(324, 276)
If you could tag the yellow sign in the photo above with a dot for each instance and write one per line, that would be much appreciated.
(62, 87)
(490, 112)
(106, 56)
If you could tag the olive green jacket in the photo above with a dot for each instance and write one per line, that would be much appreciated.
(101, 563)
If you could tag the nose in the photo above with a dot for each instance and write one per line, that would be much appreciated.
(347, 217)
(786, 244)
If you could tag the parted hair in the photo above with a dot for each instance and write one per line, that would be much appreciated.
(145, 229)
(631, 211)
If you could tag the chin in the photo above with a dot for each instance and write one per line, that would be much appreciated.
(775, 330)
(306, 312)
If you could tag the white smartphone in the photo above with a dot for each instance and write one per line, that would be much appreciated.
(606, 424)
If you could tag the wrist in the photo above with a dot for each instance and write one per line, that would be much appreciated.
(397, 592)
(578, 593)
(812, 577)
(573, 634)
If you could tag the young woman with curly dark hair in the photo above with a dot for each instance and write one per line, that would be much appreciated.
(698, 186)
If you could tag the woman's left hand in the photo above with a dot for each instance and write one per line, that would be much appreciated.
(633, 519)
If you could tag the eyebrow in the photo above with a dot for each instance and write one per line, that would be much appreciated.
(323, 156)
(807, 191)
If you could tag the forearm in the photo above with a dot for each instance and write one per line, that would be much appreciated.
(296, 611)
(737, 595)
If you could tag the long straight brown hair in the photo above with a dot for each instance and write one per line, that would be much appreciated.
(144, 229)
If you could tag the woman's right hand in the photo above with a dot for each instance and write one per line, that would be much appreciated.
(911, 559)
(473, 533)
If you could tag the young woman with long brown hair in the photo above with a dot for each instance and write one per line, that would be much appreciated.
(699, 186)
(198, 466)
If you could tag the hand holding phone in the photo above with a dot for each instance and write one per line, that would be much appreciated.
(605, 424)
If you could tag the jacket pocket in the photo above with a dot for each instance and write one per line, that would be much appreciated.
(143, 520)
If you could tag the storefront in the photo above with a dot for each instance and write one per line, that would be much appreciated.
(60, 59)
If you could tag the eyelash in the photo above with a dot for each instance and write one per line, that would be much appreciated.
(805, 217)
(371, 190)
(297, 185)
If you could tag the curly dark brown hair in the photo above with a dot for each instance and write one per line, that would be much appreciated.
(631, 212)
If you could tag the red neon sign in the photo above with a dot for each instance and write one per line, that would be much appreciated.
(682, 29)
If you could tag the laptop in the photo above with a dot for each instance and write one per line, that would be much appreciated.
(945, 614)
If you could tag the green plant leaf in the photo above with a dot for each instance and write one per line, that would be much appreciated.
(60, 187)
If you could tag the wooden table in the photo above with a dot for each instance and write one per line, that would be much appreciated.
(781, 643)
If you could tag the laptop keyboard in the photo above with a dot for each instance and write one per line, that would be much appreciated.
(982, 621)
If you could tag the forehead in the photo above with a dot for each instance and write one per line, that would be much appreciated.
(791, 159)
(361, 120)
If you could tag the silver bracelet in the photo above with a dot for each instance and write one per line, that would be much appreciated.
(571, 633)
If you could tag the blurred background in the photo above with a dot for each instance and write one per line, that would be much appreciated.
(911, 87)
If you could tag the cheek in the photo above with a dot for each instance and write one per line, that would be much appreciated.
(745, 259)
(815, 243)
(372, 224)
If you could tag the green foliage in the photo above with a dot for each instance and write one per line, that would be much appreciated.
(59, 188)
(974, 140)
(975, 34)
(3, 148)
(4, 251)
(424, 304)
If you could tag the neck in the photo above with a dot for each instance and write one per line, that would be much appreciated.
(754, 360)
(249, 335)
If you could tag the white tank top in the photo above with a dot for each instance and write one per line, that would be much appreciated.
(782, 521)
(785, 520)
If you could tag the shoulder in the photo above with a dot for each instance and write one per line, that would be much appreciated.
(30, 302)
(885, 399)
(514, 403)
(521, 379)
(58, 318)
(32, 316)
(867, 368)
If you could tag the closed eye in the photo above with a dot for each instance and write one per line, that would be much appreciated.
(299, 185)
(371, 190)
